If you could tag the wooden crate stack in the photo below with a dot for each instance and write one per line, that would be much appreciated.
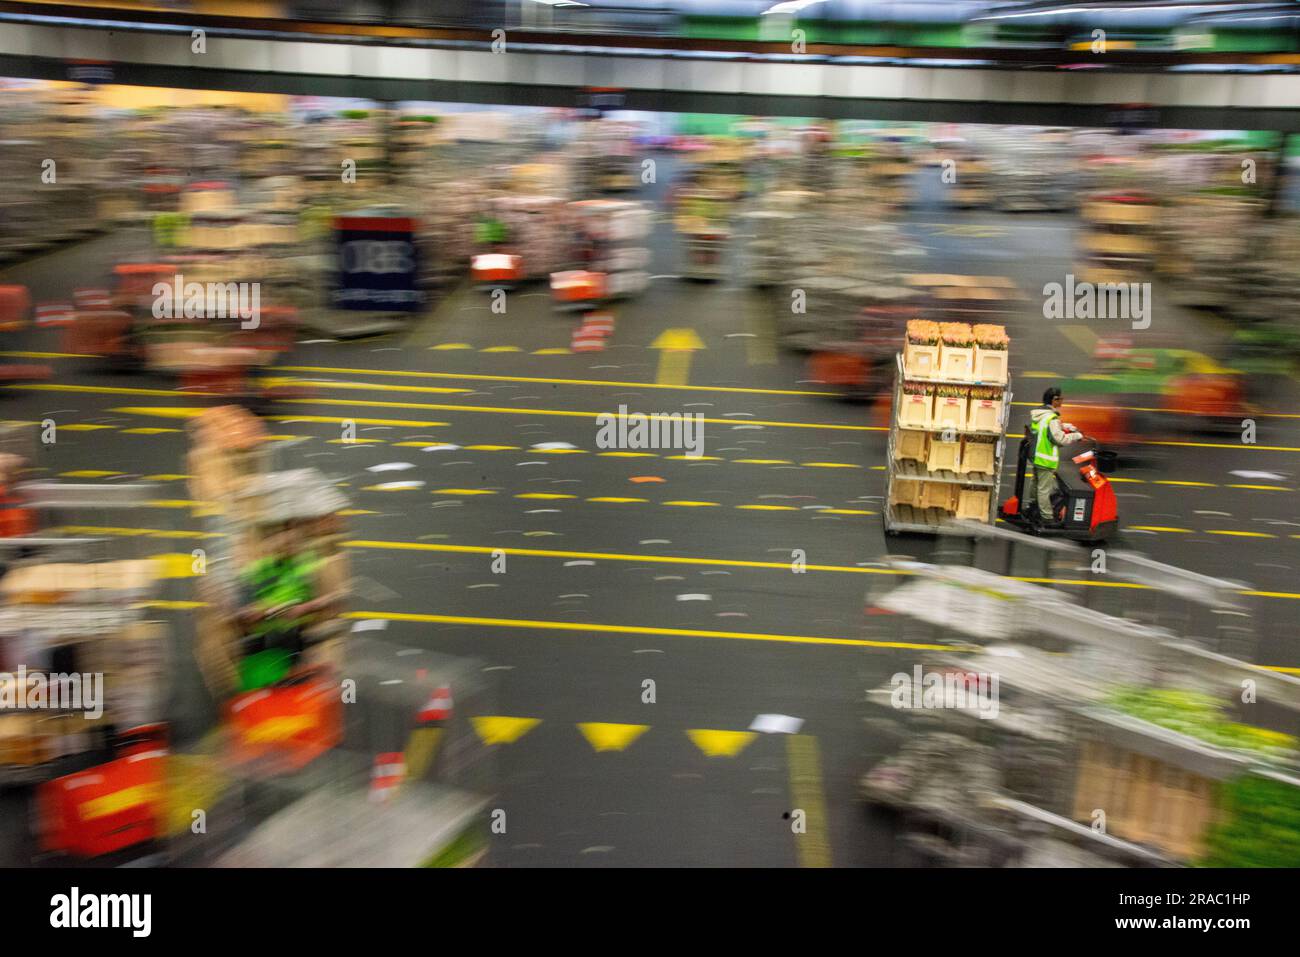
(949, 412)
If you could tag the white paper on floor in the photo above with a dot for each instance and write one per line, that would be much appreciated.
(776, 724)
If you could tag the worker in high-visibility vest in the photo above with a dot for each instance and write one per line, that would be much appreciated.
(1050, 433)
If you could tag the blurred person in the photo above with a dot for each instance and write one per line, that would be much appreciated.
(1051, 434)
(281, 601)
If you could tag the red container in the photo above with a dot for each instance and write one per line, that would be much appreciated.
(105, 809)
(15, 305)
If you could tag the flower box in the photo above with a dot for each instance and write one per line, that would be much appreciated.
(921, 361)
(905, 492)
(912, 445)
(949, 413)
(956, 362)
(914, 411)
(984, 415)
(939, 495)
(991, 365)
(944, 455)
(977, 457)
(973, 503)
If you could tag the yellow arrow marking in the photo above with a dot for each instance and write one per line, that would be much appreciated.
(720, 744)
(675, 347)
(611, 737)
(500, 729)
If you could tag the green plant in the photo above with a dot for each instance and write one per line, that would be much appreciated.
(1199, 716)
(462, 848)
(1260, 825)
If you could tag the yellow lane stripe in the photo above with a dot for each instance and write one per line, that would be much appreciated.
(1224, 531)
(47, 355)
(1158, 528)
(813, 846)
(181, 412)
(518, 410)
(545, 380)
(102, 389)
(608, 556)
(1191, 484)
(1238, 446)
(365, 386)
(583, 626)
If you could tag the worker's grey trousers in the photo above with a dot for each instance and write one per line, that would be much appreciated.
(1045, 485)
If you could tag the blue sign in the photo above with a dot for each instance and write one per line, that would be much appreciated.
(378, 264)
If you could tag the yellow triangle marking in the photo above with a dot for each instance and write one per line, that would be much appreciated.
(611, 737)
(720, 744)
(501, 729)
(421, 748)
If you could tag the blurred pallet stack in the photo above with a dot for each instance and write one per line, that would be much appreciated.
(1096, 739)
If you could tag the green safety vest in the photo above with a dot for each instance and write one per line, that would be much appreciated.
(281, 581)
(1046, 453)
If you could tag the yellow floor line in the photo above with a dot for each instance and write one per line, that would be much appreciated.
(547, 381)
(813, 846)
(583, 626)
